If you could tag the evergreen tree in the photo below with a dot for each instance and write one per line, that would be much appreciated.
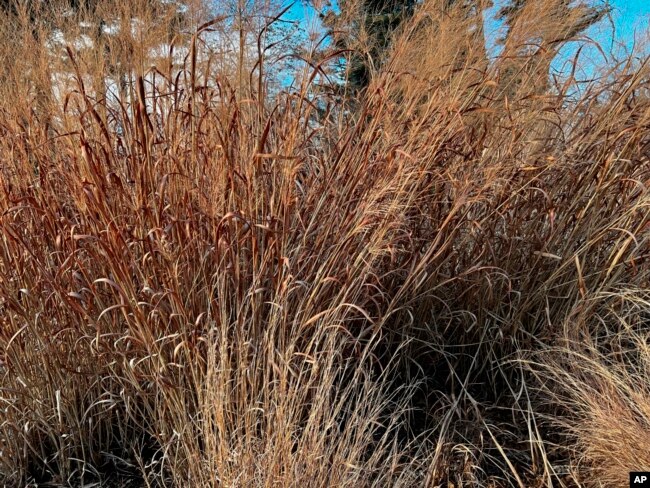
(535, 32)
(374, 21)
(366, 28)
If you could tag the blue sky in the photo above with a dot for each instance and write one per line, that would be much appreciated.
(628, 14)
(630, 20)
(631, 15)
(628, 27)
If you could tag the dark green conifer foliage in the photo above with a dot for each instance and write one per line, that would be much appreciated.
(378, 19)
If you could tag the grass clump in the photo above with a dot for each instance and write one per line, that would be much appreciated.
(206, 279)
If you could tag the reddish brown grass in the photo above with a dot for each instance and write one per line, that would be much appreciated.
(206, 282)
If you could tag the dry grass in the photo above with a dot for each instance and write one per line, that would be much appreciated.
(600, 384)
(204, 282)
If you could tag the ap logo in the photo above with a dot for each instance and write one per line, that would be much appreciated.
(640, 479)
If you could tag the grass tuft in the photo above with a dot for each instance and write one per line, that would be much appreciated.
(212, 278)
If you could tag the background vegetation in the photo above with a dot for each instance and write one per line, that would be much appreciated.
(221, 264)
